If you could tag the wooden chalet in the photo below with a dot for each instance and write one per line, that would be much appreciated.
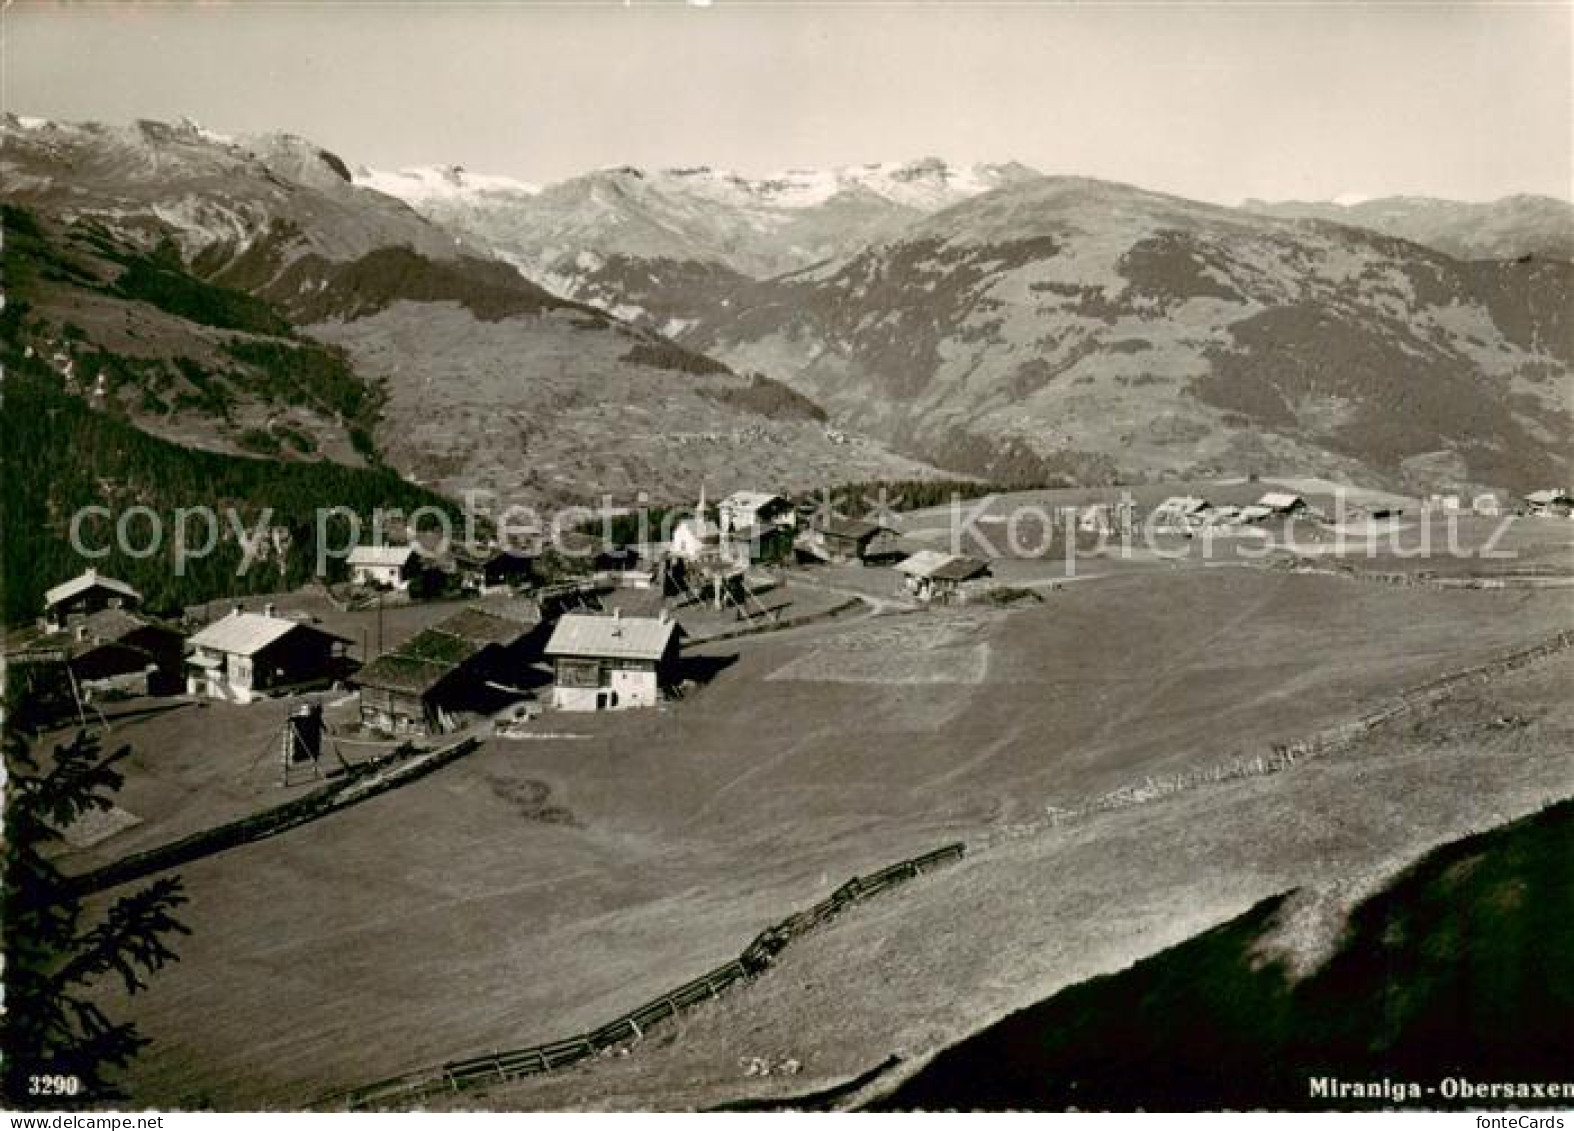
(1283, 503)
(934, 576)
(1553, 502)
(612, 662)
(391, 566)
(1182, 514)
(461, 669)
(491, 571)
(111, 650)
(839, 540)
(89, 592)
(743, 510)
(245, 656)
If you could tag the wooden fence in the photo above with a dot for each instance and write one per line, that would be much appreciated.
(1283, 755)
(777, 625)
(365, 780)
(1532, 578)
(456, 1075)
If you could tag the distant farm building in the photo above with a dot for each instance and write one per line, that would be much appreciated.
(761, 542)
(744, 510)
(391, 566)
(490, 571)
(88, 593)
(1181, 513)
(612, 662)
(247, 655)
(1554, 502)
(835, 539)
(577, 594)
(1282, 504)
(934, 576)
(1487, 504)
(461, 669)
(529, 611)
(753, 527)
(112, 650)
(1372, 511)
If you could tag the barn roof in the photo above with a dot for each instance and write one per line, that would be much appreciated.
(921, 563)
(395, 671)
(636, 602)
(246, 634)
(481, 628)
(525, 611)
(939, 566)
(1280, 501)
(1183, 504)
(960, 568)
(113, 624)
(89, 579)
(1549, 495)
(107, 626)
(433, 654)
(381, 555)
(614, 637)
(459, 637)
(854, 529)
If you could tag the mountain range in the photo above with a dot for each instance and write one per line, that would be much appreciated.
(246, 295)
(620, 238)
(1111, 330)
(648, 329)
(1498, 229)
(1099, 320)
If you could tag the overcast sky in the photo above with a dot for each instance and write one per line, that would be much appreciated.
(1216, 101)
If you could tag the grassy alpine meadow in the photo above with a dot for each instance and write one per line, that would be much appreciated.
(543, 885)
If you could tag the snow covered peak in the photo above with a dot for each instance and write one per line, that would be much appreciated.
(693, 213)
(197, 129)
(929, 183)
(925, 185)
(438, 183)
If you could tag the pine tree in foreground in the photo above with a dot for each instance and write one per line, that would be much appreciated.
(59, 1045)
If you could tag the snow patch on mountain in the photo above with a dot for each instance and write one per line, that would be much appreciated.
(433, 183)
(926, 184)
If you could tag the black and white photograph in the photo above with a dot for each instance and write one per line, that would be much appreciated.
(741, 557)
